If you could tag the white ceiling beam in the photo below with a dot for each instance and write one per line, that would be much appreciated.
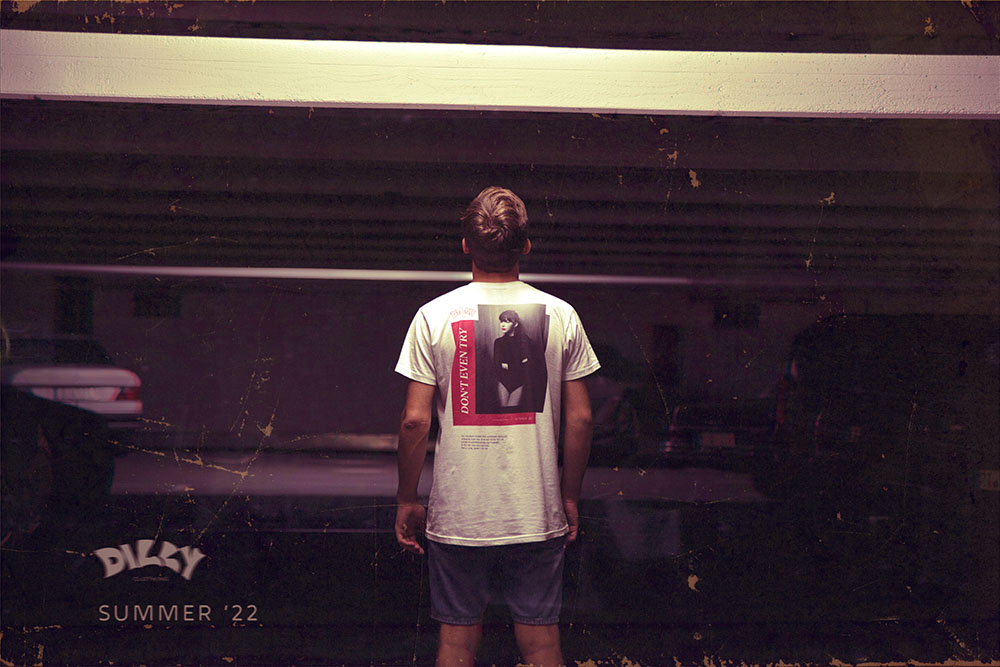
(281, 72)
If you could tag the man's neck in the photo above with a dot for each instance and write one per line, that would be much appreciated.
(480, 276)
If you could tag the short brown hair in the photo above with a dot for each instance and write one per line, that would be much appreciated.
(495, 228)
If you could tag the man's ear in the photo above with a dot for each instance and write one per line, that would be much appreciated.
(527, 247)
(465, 246)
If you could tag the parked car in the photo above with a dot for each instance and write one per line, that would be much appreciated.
(885, 409)
(886, 440)
(723, 433)
(74, 370)
(58, 464)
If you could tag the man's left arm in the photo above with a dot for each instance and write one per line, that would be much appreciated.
(411, 454)
(576, 448)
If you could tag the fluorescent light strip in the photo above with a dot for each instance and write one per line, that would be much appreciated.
(327, 274)
(804, 281)
(219, 70)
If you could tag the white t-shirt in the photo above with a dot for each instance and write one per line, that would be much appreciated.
(498, 354)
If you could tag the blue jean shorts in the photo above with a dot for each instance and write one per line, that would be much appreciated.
(529, 576)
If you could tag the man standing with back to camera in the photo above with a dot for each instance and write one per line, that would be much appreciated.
(497, 501)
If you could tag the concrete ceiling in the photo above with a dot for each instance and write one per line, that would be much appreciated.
(762, 202)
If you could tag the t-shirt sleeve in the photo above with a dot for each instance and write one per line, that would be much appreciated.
(579, 359)
(416, 359)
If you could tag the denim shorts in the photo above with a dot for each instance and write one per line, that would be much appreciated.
(528, 575)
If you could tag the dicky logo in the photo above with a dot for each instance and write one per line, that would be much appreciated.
(116, 559)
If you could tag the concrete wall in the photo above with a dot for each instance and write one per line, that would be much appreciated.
(231, 361)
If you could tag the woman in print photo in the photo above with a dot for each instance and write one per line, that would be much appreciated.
(511, 357)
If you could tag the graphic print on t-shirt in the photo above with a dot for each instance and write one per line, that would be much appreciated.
(499, 375)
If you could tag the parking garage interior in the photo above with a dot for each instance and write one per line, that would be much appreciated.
(257, 266)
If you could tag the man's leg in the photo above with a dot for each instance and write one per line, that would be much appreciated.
(459, 583)
(533, 581)
(458, 644)
(539, 644)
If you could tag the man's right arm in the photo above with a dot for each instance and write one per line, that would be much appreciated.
(576, 448)
(411, 454)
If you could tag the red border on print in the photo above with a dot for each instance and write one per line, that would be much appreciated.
(463, 384)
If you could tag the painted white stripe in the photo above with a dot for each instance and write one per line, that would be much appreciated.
(217, 70)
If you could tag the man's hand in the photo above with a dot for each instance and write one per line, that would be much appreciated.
(410, 521)
(573, 519)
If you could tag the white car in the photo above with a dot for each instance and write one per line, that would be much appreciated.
(76, 371)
